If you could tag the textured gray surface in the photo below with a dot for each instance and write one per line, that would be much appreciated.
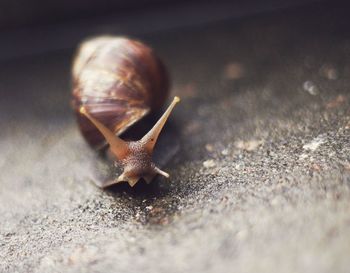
(261, 182)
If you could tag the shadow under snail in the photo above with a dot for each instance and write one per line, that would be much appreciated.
(116, 82)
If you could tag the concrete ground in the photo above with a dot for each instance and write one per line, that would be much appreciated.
(258, 152)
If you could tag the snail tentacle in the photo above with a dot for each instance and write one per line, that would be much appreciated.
(150, 139)
(118, 146)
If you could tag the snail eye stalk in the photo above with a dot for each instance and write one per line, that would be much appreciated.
(150, 139)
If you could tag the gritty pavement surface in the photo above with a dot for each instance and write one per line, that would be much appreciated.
(260, 176)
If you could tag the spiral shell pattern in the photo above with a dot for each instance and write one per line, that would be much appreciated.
(118, 81)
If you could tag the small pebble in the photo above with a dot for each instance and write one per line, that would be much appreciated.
(339, 100)
(316, 167)
(225, 152)
(209, 147)
(311, 88)
(329, 72)
(303, 156)
(242, 235)
(249, 146)
(191, 128)
(210, 163)
(314, 144)
(234, 71)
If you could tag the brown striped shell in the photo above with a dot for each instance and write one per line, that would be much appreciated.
(118, 81)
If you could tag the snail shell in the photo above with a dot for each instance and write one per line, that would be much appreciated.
(118, 81)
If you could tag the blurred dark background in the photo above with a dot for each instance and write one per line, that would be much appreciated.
(19, 13)
(31, 27)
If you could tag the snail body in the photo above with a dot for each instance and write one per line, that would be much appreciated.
(116, 82)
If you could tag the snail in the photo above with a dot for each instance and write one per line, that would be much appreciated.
(116, 82)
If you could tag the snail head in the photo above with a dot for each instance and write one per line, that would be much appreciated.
(135, 156)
